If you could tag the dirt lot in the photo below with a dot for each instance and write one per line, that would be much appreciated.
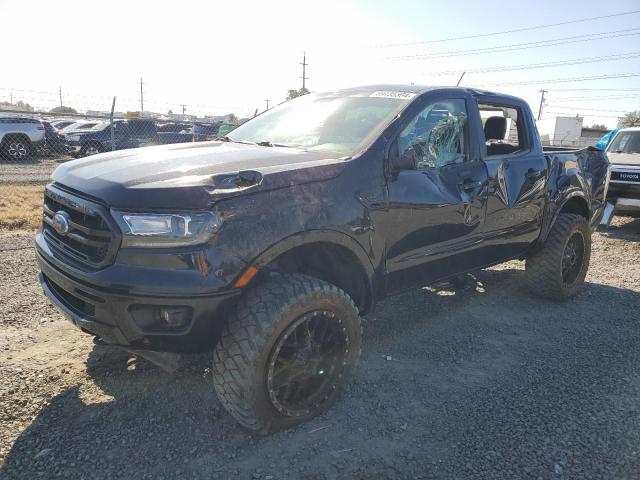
(36, 171)
(483, 382)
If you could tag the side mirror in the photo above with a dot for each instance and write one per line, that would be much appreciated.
(399, 162)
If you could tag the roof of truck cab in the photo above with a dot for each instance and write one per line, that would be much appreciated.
(420, 89)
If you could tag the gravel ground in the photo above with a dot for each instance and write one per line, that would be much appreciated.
(482, 382)
(35, 171)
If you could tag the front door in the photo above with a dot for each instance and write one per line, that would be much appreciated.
(435, 212)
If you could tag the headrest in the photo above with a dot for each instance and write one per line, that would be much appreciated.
(495, 128)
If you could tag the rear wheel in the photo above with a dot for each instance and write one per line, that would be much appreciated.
(285, 355)
(17, 149)
(557, 271)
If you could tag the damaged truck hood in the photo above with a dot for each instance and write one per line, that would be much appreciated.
(192, 176)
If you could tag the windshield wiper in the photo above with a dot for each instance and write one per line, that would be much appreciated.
(267, 143)
(227, 139)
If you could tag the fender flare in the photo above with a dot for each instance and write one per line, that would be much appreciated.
(564, 199)
(326, 236)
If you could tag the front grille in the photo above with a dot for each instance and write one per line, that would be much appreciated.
(630, 176)
(73, 303)
(89, 239)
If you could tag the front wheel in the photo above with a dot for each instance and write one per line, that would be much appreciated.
(287, 352)
(557, 271)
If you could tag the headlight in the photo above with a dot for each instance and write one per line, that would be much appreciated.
(157, 230)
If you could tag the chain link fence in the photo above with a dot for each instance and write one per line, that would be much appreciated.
(32, 144)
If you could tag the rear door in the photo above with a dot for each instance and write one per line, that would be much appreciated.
(517, 170)
(435, 213)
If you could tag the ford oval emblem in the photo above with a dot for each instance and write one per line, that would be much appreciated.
(60, 222)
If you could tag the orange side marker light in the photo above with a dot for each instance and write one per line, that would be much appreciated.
(246, 277)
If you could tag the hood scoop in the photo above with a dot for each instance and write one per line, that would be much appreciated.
(234, 182)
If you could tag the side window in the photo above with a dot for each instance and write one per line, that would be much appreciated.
(436, 136)
(503, 129)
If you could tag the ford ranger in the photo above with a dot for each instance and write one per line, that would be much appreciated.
(267, 245)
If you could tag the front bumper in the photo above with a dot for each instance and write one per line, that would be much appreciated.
(623, 193)
(107, 302)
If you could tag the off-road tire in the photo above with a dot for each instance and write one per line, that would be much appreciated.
(543, 273)
(241, 357)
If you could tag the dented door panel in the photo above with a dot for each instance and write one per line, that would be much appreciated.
(434, 222)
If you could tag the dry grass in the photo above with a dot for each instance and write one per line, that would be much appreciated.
(20, 207)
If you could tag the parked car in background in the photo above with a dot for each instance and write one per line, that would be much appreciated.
(173, 127)
(131, 133)
(623, 194)
(60, 124)
(226, 128)
(80, 125)
(271, 243)
(54, 143)
(203, 132)
(19, 136)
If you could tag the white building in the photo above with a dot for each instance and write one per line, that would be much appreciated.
(561, 131)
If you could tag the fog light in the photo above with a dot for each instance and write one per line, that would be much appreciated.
(161, 318)
(175, 318)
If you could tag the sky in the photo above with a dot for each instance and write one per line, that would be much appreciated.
(220, 57)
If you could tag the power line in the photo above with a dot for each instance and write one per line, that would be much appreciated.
(595, 89)
(503, 32)
(561, 80)
(565, 114)
(531, 66)
(598, 98)
(522, 46)
(553, 105)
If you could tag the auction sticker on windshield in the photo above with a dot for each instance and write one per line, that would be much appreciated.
(392, 94)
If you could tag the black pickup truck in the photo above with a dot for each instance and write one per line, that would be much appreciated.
(268, 245)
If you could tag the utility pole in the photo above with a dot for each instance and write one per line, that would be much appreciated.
(541, 103)
(184, 109)
(11, 97)
(267, 101)
(60, 92)
(304, 71)
(141, 96)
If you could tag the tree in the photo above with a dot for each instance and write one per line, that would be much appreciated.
(630, 119)
(62, 109)
(19, 106)
(598, 126)
(291, 94)
(170, 112)
(232, 118)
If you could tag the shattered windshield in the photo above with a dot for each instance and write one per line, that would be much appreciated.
(340, 124)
